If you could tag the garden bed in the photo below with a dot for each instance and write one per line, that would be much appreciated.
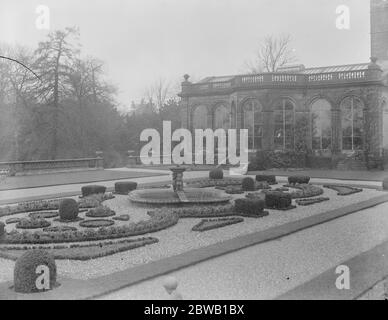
(86, 252)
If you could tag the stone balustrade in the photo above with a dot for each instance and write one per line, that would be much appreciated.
(275, 80)
(37, 166)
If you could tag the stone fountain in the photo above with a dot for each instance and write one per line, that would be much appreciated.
(178, 194)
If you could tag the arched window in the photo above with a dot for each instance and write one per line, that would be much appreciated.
(352, 120)
(284, 125)
(321, 125)
(200, 118)
(253, 121)
(221, 118)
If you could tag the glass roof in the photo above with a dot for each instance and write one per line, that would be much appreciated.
(350, 67)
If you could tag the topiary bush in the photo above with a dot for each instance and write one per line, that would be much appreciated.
(25, 272)
(277, 200)
(216, 174)
(125, 187)
(2, 230)
(253, 207)
(248, 184)
(271, 179)
(92, 189)
(385, 184)
(68, 210)
(298, 180)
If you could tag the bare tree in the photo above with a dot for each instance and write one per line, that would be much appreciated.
(274, 52)
(158, 93)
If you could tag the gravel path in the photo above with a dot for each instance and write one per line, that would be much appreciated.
(266, 270)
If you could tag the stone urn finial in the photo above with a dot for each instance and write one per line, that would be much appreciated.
(186, 77)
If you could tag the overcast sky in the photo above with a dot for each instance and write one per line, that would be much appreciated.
(142, 40)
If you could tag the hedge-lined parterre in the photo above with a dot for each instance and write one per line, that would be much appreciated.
(100, 212)
(37, 223)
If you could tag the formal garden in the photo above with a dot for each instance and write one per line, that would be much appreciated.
(100, 232)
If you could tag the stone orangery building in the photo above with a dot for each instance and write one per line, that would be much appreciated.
(345, 107)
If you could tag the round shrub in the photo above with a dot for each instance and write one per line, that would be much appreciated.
(92, 189)
(25, 274)
(298, 180)
(271, 179)
(248, 184)
(277, 200)
(2, 229)
(251, 207)
(216, 174)
(125, 187)
(385, 184)
(68, 210)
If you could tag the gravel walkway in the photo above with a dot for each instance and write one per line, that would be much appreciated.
(266, 270)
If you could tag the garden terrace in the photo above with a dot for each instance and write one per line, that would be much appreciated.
(171, 227)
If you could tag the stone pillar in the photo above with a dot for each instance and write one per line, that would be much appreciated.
(336, 129)
(100, 160)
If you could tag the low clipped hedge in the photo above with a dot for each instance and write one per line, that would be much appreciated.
(248, 184)
(252, 207)
(278, 200)
(100, 212)
(43, 215)
(25, 274)
(68, 210)
(32, 223)
(60, 229)
(216, 174)
(96, 223)
(125, 187)
(234, 190)
(298, 179)
(159, 220)
(210, 224)
(92, 189)
(271, 179)
(123, 217)
(311, 201)
(2, 229)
